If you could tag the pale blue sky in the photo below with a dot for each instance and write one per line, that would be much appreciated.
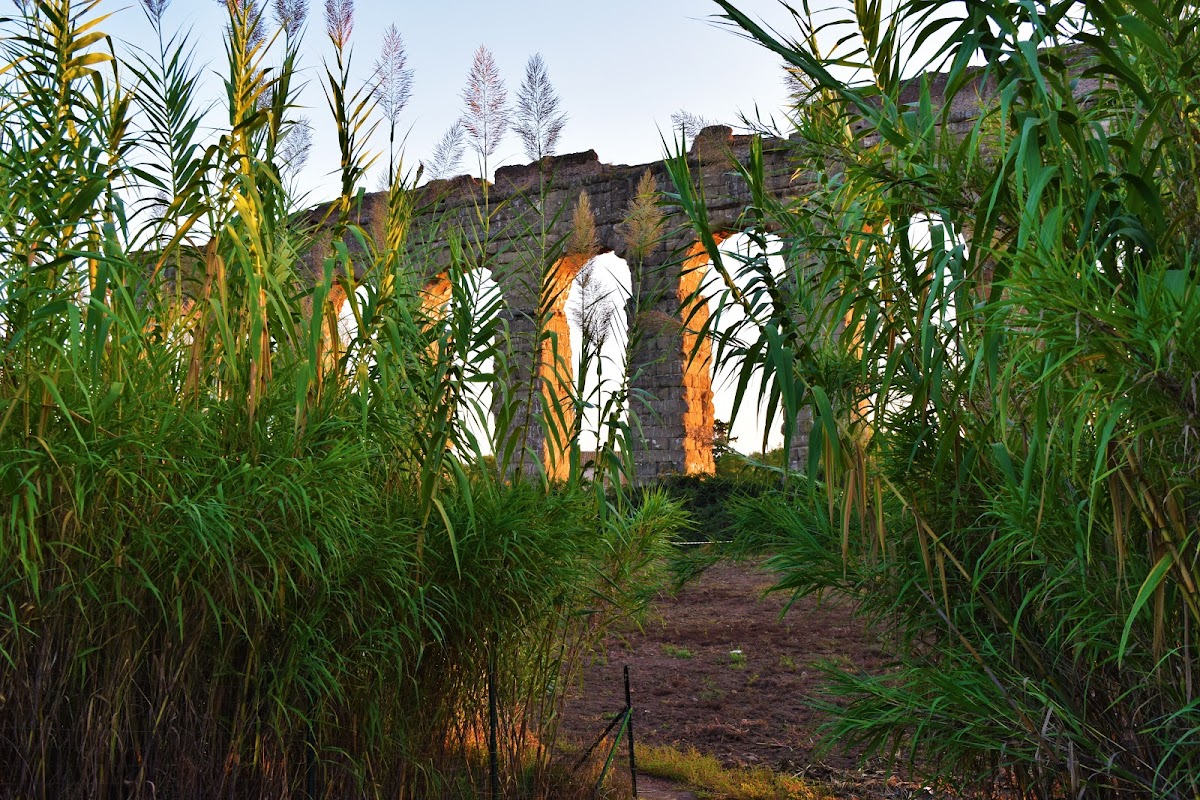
(621, 67)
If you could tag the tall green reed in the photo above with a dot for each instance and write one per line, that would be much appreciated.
(991, 317)
(240, 557)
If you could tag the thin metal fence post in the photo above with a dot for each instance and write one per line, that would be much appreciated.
(632, 758)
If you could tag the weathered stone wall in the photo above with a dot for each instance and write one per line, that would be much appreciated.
(699, 417)
(530, 210)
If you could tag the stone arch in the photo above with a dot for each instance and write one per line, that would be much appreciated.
(595, 310)
(699, 288)
(765, 243)
(557, 366)
(435, 295)
(698, 410)
(526, 205)
(476, 411)
(686, 383)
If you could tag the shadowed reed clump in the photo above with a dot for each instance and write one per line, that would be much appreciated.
(239, 557)
(993, 318)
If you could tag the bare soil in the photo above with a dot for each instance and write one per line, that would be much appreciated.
(720, 668)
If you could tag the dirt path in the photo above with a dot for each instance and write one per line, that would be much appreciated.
(718, 669)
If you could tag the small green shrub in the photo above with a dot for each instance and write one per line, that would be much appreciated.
(678, 652)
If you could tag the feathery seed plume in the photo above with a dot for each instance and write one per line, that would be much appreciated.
(154, 9)
(689, 124)
(393, 88)
(539, 121)
(486, 115)
(640, 230)
(582, 240)
(448, 153)
(290, 15)
(296, 145)
(339, 21)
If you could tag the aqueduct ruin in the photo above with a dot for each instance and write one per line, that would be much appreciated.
(675, 434)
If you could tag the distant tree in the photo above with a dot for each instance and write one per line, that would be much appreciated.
(485, 117)
(722, 441)
(290, 15)
(447, 155)
(539, 120)
(776, 457)
(393, 88)
(688, 124)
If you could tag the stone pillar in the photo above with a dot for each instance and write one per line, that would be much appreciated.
(516, 406)
(656, 378)
(672, 390)
(699, 414)
(542, 409)
(517, 400)
(798, 452)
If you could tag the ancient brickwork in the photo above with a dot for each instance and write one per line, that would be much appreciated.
(520, 218)
(529, 209)
(698, 415)
(557, 365)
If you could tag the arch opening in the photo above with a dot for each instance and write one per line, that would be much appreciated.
(596, 312)
(557, 366)
(473, 357)
(713, 375)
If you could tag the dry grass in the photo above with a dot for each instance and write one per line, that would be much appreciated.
(705, 776)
